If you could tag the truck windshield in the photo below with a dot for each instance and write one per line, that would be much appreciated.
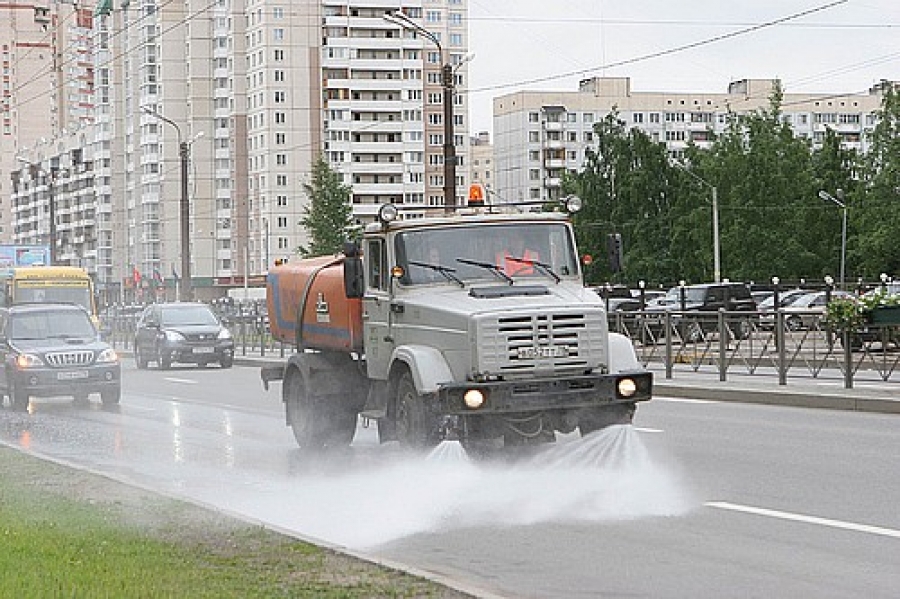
(515, 251)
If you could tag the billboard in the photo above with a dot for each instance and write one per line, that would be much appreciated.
(12, 256)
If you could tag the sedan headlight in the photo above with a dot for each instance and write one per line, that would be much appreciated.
(28, 361)
(108, 356)
(173, 336)
(224, 334)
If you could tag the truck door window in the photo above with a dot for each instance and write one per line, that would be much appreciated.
(377, 265)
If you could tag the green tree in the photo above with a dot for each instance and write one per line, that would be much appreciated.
(624, 190)
(875, 247)
(767, 198)
(328, 217)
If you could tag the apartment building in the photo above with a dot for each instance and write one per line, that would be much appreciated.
(539, 135)
(247, 94)
(47, 89)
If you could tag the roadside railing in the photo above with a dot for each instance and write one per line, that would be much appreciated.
(785, 345)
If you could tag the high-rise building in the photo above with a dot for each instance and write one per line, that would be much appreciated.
(47, 92)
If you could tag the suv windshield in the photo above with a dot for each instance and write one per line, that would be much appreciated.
(534, 250)
(187, 315)
(47, 325)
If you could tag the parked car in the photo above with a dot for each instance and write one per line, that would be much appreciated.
(51, 349)
(183, 332)
(694, 314)
(785, 298)
(806, 311)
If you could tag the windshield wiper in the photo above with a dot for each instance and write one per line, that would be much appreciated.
(446, 271)
(542, 266)
(498, 271)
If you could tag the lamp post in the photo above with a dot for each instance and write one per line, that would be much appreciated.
(398, 18)
(184, 153)
(840, 203)
(717, 256)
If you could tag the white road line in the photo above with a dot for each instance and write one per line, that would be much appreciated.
(643, 429)
(172, 379)
(683, 400)
(874, 530)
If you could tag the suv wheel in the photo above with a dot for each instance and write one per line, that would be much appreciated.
(140, 358)
(18, 398)
(111, 397)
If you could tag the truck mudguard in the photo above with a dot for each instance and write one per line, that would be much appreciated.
(621, 354)
(428, 366)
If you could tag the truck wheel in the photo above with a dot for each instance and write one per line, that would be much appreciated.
(317, 422)
(412, 422)
(600, 418)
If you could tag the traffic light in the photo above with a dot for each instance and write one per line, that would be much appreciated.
(614, 251)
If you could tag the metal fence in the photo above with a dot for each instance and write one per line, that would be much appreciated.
(785, 345)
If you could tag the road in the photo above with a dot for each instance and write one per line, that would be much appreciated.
(698, 499)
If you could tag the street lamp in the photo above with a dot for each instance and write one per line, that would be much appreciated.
(839, 201)
(184, 153)
(717, 257)
(400, 19)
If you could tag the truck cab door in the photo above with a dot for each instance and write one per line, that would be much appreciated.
(377, 309)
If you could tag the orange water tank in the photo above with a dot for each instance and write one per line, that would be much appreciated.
(315, 286)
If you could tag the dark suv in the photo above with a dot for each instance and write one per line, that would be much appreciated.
(695, 310)
(188, 332)
(50, 350)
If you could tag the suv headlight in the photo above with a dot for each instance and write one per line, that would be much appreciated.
(174, 336)
(28, 361)
(224, 333)
(108, 356)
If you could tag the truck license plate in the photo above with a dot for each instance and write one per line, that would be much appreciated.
(70, 375)
(203, 350)
(543, 351)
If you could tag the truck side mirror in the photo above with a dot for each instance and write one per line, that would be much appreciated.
(353, 277)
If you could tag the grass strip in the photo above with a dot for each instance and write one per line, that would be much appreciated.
(68, 533)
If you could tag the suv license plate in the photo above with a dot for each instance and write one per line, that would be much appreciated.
(543, 351)
(70, 375)
(204, 350)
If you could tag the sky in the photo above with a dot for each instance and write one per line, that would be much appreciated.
(813, 46)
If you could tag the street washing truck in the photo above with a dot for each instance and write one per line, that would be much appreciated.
(473, 326)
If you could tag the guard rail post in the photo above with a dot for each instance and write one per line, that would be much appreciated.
(723, 345)
(779, 345)
(848, 359)
(668, 333)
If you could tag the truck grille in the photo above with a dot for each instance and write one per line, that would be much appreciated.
(528, 343)
(70, 358)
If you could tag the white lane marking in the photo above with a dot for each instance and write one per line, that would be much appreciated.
(684, 400)
(875, 530)
(172, 379)
(643, 429)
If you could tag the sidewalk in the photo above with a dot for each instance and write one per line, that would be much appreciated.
(826, 391)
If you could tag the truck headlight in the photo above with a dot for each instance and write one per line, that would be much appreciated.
(626, 387)
(474, 398)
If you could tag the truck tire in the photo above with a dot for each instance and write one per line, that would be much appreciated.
(600, 418)
(413, 426)
(317, 421)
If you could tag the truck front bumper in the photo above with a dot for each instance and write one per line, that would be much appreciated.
(547, 394)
